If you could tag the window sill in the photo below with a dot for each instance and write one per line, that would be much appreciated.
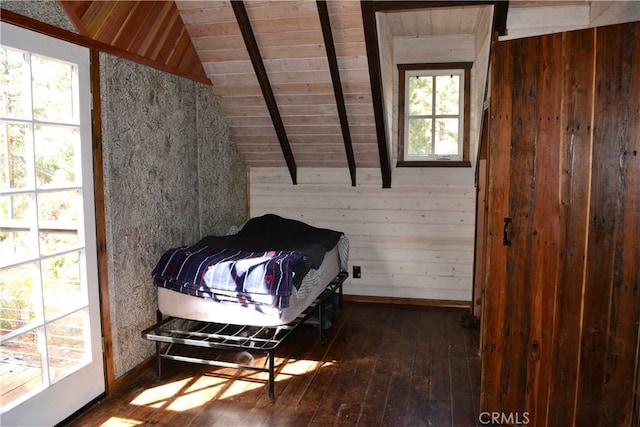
(434, 164)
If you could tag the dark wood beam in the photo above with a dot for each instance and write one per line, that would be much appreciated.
(375, 75)
(325, 22)
(500, 13)
(265, 85)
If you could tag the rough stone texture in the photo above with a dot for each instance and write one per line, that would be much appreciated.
(45, 11)
(163, 144)
(222, 177)
(151, 196)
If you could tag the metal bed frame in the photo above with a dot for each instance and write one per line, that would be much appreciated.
(265, 339)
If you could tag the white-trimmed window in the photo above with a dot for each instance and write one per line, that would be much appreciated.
(433, 114)
(50, 334)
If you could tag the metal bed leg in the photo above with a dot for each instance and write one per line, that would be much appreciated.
(320, 322)
(158, 360)
(271, 375)
(158, 350)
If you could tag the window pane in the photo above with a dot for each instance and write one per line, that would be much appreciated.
(17, 239)
(22, 360)
(61, 284)
(55, 156)
(419, 137)
(447, 94)
(53, 98)
(67, 345)
(58, 220)
(14, 83)
(420, 95)
(13, 156)
(19, 297)
(446, 137)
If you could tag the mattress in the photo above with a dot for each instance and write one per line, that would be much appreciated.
(261, 310)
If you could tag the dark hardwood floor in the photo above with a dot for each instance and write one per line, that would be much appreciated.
(379, 365)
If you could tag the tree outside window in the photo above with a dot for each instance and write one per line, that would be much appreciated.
(433, 114)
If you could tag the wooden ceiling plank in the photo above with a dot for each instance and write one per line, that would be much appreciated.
(222, 55)
(213, 29)
(96, 15)
(83, 40)
(113, 23)
(267, 11)
(285, 25)
(133, 28)
(375, 75)
(148, 25)
(263, 78)
(201, 12)
(302, 51)
(191, 61)
(180, 48)
(325, 23)
(75, 10)
(168, 45)
(219, 42)
(158, 38)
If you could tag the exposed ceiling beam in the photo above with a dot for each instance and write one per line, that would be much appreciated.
(500, 12)
(265, 85)
(325, 22)
(375, 75)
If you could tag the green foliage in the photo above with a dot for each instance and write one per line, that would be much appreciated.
(15, 308)
(40, 156)
(428, 131)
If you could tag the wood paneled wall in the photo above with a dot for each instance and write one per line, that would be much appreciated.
(414, 240)
(562, 302)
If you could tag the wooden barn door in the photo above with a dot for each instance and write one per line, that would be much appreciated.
(561, 301)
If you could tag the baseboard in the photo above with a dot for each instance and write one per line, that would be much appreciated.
(130, 376)
(408, 301)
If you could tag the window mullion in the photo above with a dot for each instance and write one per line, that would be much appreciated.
(41, 330)
(433, 113)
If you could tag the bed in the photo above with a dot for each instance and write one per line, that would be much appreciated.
(248, 291)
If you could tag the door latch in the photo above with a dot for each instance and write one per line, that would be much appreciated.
(505, 234)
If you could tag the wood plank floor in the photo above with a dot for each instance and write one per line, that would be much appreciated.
(379, 365)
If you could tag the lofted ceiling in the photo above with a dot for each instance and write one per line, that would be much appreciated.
(294, 79)
(298, 81)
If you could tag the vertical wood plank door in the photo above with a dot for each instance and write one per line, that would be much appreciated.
(561, 302)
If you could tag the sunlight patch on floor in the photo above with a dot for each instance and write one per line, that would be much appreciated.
(300, 367)
(192, 392)
(120, 422)
(157, 397)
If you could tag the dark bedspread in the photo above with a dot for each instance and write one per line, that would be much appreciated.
(272, 232)
(269, 255)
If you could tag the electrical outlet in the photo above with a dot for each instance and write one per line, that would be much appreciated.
(357, 273)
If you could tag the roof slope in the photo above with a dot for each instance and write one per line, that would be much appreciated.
(300, 81)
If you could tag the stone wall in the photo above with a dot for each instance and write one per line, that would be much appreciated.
(172, 175)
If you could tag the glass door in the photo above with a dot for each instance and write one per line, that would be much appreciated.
(50, 337)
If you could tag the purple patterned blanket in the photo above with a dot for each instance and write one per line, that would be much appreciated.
(203, 270)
